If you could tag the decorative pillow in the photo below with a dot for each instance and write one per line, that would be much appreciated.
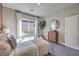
(5, 48)
(12, 41)
(3, 37)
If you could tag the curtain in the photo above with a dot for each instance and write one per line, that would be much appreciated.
(0, 17)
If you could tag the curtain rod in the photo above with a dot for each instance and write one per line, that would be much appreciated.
(27, 14)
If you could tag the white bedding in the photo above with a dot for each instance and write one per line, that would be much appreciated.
(42, 45)
(37, 47)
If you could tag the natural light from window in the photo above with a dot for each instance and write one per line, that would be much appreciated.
(26, 30)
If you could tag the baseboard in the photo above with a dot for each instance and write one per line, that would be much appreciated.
(68, 46)
(62, 43)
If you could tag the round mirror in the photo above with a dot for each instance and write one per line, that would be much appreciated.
(54, 25)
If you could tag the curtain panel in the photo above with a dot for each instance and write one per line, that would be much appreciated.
(0, 17)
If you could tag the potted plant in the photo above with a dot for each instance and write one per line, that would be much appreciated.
(42, 24)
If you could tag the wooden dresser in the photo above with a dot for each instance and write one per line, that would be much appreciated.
(53, 36)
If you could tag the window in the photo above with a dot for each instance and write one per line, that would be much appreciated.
(28, 27)
(26, 30)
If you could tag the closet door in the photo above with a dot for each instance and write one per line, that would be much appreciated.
(71, 31)
(78, 31)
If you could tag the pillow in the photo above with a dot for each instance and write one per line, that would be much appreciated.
(12, 41)
(3, 37)
(5, 48)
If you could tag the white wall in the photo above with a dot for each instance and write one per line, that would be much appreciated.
(61, 17)
(9, 20)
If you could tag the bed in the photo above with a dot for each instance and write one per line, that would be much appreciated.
(36, 47)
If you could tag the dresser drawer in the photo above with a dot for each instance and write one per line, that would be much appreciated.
(53, 36)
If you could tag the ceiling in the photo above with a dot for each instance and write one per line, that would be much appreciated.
(44, 9)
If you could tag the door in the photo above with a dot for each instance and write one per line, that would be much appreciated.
(78, 31)
(71, 31)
